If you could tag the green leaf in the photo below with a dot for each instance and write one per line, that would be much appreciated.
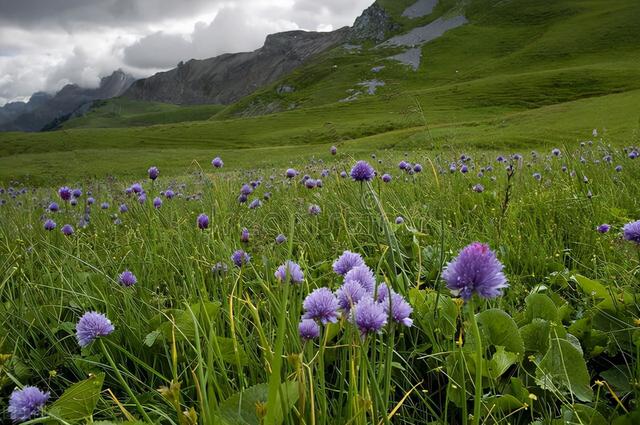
(540, 306)
(603, 294)
(79, 400)
(501, 361)
(563, 367)
(502, 404)
(500, 330)
(535, 336)
(185, 327)
(227, 351)
(241, 408)
(582, 414)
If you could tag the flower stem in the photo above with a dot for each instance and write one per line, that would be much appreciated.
(478, 381)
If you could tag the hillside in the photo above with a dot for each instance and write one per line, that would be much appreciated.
(519, 73)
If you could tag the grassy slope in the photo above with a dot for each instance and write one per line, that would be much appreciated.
(521, 72)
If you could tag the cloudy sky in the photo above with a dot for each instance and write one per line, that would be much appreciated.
(45, 44)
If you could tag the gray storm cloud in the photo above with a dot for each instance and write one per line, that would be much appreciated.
(47, 43)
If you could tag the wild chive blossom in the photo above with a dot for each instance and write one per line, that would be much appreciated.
(362, 171)
(246, 189)
(202, 221)
(555, 152)
(619, 168)
(478, 188)
(157, 202)
(136, 188)
(363, 275)
(369, 316)
(291, 173)
(153, 173)
(399, 220)
(73, 202)
(242, 198)
(256, 203)
(26, 403)
(244, 235)
(280, 239)
(76, 193)
(403, 165)
(314, 209)
(347, 261)
(603, 228)
(475, 270)
(400, 309)
(104, 205)
(49, 225)
(631, 232)
(91, 326)
(169, 194)
(633, 154)
(464, 169)
(240, 258)
(537, 176)
(310, 183)
(321, 305)
(289, 272)
(127, 279)
(417, 168)
(386, 178)
(67, 230)
(65, 193)
(123, 208)
(349, 294)
(53, 207)
(343, 174)
(308, 329)
(333, 150)
(217, 162)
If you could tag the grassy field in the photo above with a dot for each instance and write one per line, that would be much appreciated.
(560, 345)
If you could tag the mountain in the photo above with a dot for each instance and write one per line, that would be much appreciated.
(43, 109)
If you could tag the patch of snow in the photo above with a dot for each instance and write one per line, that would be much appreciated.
(422, 35)
(419, 9)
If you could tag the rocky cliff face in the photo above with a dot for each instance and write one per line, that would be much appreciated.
(229, 77)
(374, 24)
(42, 108)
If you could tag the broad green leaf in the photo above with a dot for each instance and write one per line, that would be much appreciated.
(435, 320)
(499, 329)
(582, 414)
(563, 367)
(502, 404)
(610, 299)
(241, 408)
(227, 351)
(184, 326)
(501, 361)
(540, 306)
(535, 336)
(79, 400)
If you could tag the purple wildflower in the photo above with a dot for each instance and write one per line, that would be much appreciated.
(91, 326)
(280, 239)
(91, 201)
(246, 189)
(362, 171)
(76, 193)
(386, 178)
(555, 152)
(169, 194)
(478, 188)
(202, 221)
(157, 202)
(289, 272)
(123, 208)
(310, 183)
(363, 275)
(314, 209)
(291, 173)
(537, 176)
(127, 279)
(67, 230)
(136, 188)
(53, 207)
(308, 329)
(464, 169)
(619, 168)
(400, 309)
(217, 162)
(603, 228)
(49, 225)
(343, 174)
(333, 150)
(631, 231)
(417, 168)
(321, 305)
(256, 203)
(349, 294)
(26, 403)
(153, 173)
(347, 261)
(240, 258)
(65, 193)
(476, 269)
(244, 235)
(242, 198)
(104, 205)
(369, 316)
(399, 219)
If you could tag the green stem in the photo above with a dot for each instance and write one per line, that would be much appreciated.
(123, 382)
(478, 381)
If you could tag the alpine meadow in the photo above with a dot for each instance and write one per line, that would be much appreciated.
(431, 216)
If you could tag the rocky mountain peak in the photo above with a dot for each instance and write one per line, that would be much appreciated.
(374, 24)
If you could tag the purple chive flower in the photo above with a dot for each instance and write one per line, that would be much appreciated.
(169, 194)
(104, 205)
(478, 188)
(417, 168)
(619, 168)
(136, 188)
(240, 258)
(314, 209)
(256, 203)
(123, 208)
(464, 169)
(537, 176)
(244, 235)
(403, 165)
(475, 270)
(310, 183)
(603, 228)
(76, 193)
(400, 309)
(363, 275)
(153, 173)
(73, 202)
(633, 154)
(399, 219)
(91, 201)
(291, 173)
(289, 272)
(242, 198)
(453, 167)
(321, 305)
(49, 225)
(555, 152)
(53, 207)
(362, 172)
(631, 231)
(280, 239)
(127, 279)
(369, 316)
(347, 261)
(202, 221)
(67, 230)
(157, 202)
(128, 191)
(26, 403)
(343, 174)
(142, 198)
(91, 326)
(308, 329)
(217, 162)
(386, 178)
(65, 193)
(246, 189)
(333, 150)
(349, 294)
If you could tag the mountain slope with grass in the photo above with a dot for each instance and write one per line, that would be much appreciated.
(517, 73)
